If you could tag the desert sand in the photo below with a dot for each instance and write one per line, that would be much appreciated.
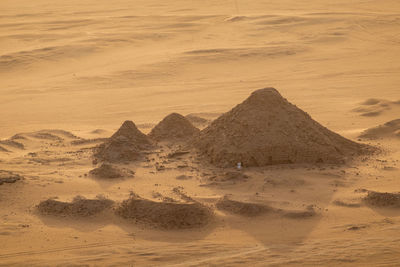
(121, 124)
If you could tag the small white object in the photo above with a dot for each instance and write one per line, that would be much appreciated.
(239, 165)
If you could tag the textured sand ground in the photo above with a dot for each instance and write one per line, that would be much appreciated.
(87, 65)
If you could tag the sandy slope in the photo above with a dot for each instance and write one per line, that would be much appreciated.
(84, 65)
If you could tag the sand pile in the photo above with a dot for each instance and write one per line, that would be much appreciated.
(165, 215)
(242, 208)
(108, 171)
(382, 199)
(174, 126)
(389, 130)
(266, 129)
(9, 177)
(123, 146)
(79, 207)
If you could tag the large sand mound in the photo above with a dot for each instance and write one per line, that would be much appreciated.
(123, 146)
(79, 207)
(266, 129)
(165, 215)
(388, 130)
(174, 126)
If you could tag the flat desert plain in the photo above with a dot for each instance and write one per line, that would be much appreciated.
(89, 177)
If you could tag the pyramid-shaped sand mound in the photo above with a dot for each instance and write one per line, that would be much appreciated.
(266, 129)
(174, 126)
(124, 145)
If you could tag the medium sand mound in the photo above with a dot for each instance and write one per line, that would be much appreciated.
(108, 171)
(79, 207)
(389, 130)
(266, 129)
(242, 208)
(174, 126)
(123, 146)
(382, 199)
(165, 215)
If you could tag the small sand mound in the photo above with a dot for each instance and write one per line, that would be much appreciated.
(388, 130)
(174, 126)
(79, 207)
(242, 208)
(382, 199)
(165, 215)
(9, 177)
(107, 171)
(266, 129)
(123, 146)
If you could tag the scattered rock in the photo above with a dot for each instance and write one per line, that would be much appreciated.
(382, 199)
